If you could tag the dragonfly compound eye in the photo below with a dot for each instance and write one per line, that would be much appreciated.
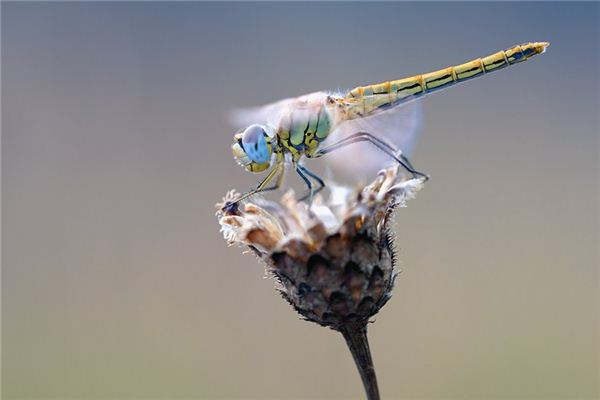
(256, 144)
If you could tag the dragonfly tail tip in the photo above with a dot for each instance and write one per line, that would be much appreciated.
(542, 46)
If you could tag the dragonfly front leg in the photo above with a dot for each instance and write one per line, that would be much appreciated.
(231, 206)
(380, 144)
(279, 181)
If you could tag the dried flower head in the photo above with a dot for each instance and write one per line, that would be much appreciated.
(335, 260)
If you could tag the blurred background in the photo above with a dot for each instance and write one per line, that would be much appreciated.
(117, 283)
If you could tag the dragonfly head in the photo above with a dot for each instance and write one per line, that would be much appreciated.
(253, 148)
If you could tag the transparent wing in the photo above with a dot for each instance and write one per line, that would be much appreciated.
(267, 114)
(271, 113)
(398, 126)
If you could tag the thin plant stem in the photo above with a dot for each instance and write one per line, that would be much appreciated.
(356, 339)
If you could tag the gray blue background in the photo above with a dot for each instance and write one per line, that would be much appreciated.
(117, 284)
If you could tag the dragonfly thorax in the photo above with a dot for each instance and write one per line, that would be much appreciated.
(303, 128)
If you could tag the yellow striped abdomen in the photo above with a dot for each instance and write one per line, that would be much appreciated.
(364, 100)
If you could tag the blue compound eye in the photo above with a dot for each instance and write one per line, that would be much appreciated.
(255, 144)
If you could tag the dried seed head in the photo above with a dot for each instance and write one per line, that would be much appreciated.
(334, 261)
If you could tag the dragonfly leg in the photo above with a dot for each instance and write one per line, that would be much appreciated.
(380, 144)
(373, 139)
(308, 183)
(316, 178)
(406, 160)
(230, 206)
(279, 181)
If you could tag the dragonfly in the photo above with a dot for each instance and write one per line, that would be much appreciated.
(290, 131)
